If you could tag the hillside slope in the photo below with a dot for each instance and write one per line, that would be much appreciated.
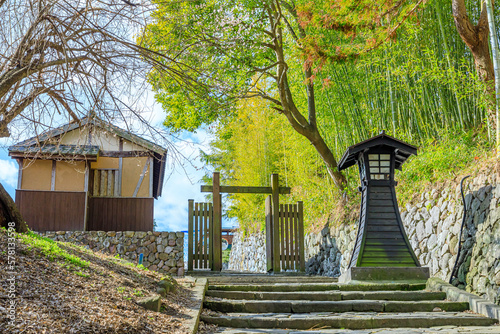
(63, 288)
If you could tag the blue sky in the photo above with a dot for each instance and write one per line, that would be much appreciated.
(182, 179)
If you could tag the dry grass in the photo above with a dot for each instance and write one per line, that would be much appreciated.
(53, 296)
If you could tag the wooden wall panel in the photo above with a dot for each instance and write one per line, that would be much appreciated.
(52, 210)
(120, 214)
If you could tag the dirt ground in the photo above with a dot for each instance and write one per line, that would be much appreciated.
(52, 296)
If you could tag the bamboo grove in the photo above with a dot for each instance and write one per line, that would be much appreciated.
(419, 86)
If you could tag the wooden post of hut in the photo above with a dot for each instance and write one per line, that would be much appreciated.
(382, 250)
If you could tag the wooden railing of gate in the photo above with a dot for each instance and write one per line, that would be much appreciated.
(201, 236)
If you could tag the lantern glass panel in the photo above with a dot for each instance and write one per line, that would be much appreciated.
(379, 166)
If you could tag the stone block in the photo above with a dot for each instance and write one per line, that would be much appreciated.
(150, 303)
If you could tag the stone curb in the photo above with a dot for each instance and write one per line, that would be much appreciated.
(476, 303)
(194, 312)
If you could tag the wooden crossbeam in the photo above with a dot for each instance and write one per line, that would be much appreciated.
(245, 190)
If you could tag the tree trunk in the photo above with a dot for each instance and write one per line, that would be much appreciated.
(476, 38)
(327, 156)
(9, 213)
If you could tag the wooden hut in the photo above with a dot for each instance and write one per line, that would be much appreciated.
(88, 175)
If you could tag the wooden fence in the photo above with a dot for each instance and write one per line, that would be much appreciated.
(289, 255)
(120, 214)
(52, 210)
(201, 236)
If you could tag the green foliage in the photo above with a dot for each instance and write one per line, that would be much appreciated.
(50, 249)
(441, 161)
(419, 86)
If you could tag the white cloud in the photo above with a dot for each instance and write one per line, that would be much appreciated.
(8, 172)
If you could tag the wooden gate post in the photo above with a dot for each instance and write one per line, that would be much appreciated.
(275, 222)
(269, 234)
(190, 234)
(301, 237)
(217, 231)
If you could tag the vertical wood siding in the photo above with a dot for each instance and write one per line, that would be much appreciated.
(52, 210)
(120, 214)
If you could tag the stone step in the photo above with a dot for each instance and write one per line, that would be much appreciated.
(288, 306)
(405, 330)
(329, 295)
(349, 320)
(289, 287)
(263, 279)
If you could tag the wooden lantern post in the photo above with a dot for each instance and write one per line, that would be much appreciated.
(382, 250)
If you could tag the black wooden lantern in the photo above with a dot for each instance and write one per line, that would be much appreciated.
(381, 239)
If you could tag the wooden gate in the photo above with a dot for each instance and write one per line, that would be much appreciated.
(285, 237)
(201, 237)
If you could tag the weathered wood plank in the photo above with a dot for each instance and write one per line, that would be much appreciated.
(196, 243)
(383, 228)
(381, 209)
(190, 233)
(296, 256)
(381, 216)
(282, 238)
(385, 195)
(383, 235)
(385, 248)
(374, 190)
(97, 180)
(300, 217)
(205, 234)
(269, 234)
(276, 228)
(217, 201)
(211, 236)
(287, 236)
(379, 202)
(103, 185)
(382, 221)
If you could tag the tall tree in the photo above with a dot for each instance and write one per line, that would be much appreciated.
(236, 50)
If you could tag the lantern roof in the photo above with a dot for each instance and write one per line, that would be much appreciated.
(403, 150)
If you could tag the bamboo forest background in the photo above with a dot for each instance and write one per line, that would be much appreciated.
(420, 87)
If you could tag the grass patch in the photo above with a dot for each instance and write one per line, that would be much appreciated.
(50, 249)
(439, 162)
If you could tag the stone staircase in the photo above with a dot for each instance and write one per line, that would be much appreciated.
(279, 304)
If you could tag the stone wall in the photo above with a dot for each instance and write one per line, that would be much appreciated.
(433, 224)
(248, 254)
(163, 251)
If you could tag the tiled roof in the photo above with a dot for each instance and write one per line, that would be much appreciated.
(98, 123)
(87, 150)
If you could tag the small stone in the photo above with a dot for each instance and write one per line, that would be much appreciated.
(111, 234)
(129, 234)
(163, 256)
(179, 235)
(140, 234)
(60, 232)
(180, 272)
(150, 303)
(161, 291)
(168, 250)
(171, 242)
